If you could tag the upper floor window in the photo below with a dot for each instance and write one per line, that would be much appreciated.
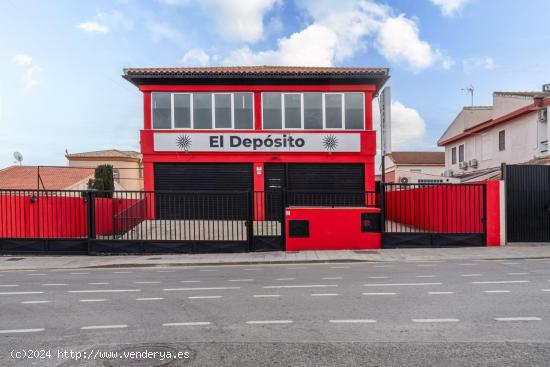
(313, 110)
(202, 111)
(501, 140)
(453, 155)
(461, 153)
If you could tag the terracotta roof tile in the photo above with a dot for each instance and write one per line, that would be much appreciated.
(53, 178)
(110, 153)
(418, 158)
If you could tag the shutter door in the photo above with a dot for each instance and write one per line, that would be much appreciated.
(213, 190)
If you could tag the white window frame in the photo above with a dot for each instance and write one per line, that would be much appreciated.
(173, 107)
(343, 109)
(232, 111)
(284, 114)
(171, 112)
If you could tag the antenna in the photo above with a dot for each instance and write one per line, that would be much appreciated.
(470, 90)
(18, 157)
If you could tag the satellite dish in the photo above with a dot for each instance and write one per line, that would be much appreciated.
(18, 157)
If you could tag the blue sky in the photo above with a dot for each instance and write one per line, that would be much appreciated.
(61, 61)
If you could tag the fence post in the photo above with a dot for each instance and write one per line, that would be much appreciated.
(250, 219)
(382, 207)
(91, 214)
(283, 218)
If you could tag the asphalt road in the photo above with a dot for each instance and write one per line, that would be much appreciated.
(456, 313)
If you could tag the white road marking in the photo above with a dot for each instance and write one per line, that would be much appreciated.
(201, 289)
(121, 272)
(98, 283)
(9, 285)
(397, 284)
(54, 284)
(14, 331)
(468, 264)
(339, 267)
(209, 270)
(105, 291)
(266, 295)
(511, 263)
(378, 277)
(300, 286)
(324, 294)
(285, 279)
(383, 266)
(17, 293)
(425, 276)
(518, 273)
(240, 280)
(501, 282)
(147, 282)
(380, 294)
(444, 292)
(296, 268)
(94, 327)
(425, 265)
(497, 291)
(195, 323)
(435, 320)
(470, 275)
(165, 271)
(270, 322)
(149, 299)
(32, 302)
(204, 297)
(332, 278)
(38, 274)
(351, 321)
(190, 281)
(92, 300)
(545, 290)
(79, 273)
(253, 269)
(518, 319)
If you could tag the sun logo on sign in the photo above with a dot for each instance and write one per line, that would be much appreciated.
(184, 142)
(330, 142)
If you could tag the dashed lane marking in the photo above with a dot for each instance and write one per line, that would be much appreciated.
(353, 321)
(192, 323)
(300, 286)
(434, 320)
(95, 327)
(259, 322)
(398, 284)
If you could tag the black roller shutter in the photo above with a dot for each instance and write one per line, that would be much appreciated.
(319, 184)
(203, 190)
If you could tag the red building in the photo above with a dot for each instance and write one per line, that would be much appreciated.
(258, 128)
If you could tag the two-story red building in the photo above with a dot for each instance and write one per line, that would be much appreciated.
(258, 128)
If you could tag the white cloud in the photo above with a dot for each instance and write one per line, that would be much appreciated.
(22, 60)
(398, 40)
(241, 20)
(29, 78)
(93, 27)
(196, 57)
(407, 126)
(470, 64)
(339, 30)
(161, 31)
(450, 7)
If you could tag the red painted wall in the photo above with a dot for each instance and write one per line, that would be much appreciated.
(332, 229)
(493, 213)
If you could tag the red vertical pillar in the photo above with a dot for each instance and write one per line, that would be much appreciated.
(368, 110)
(259, 194)
(147, 110)
(257, 110)
(492, 214)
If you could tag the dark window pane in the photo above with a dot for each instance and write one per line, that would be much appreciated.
(202, 110)
(222, 105)
(162, 111)
(182, 111)
(243, 111)
(453, 155)
(355, 114)
(501, 140)
(313, 110)
(272, 115)
(333, 111)
(461, 153)
(293, 111)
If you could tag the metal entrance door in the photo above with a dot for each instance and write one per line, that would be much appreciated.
(527, 203)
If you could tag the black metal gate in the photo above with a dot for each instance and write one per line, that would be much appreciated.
(527, 203)
(433, 215)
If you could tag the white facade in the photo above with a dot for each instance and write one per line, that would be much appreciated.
(415, 173)
(514, 140)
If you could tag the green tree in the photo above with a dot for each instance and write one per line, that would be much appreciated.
(103, 181)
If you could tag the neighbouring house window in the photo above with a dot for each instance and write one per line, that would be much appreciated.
(116, 175)
(203, 110)
(416, 170)
(501, 140)
(313, 110)
(182, 111)
(486, 147)
(162, 110)
(453, 155)
(429, 181)
(461, 153)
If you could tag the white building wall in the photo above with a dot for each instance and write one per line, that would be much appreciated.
(522, 144)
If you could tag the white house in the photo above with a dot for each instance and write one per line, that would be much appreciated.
(513, 130)
(415, 167)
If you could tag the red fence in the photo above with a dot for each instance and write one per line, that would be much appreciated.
(441, 208)
(60, 214)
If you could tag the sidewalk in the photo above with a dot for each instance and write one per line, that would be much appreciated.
(32, 262)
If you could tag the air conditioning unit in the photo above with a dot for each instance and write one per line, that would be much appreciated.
(404, 180)
(448, 173)
(473, 163)
(543, 115)
(463, 165)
